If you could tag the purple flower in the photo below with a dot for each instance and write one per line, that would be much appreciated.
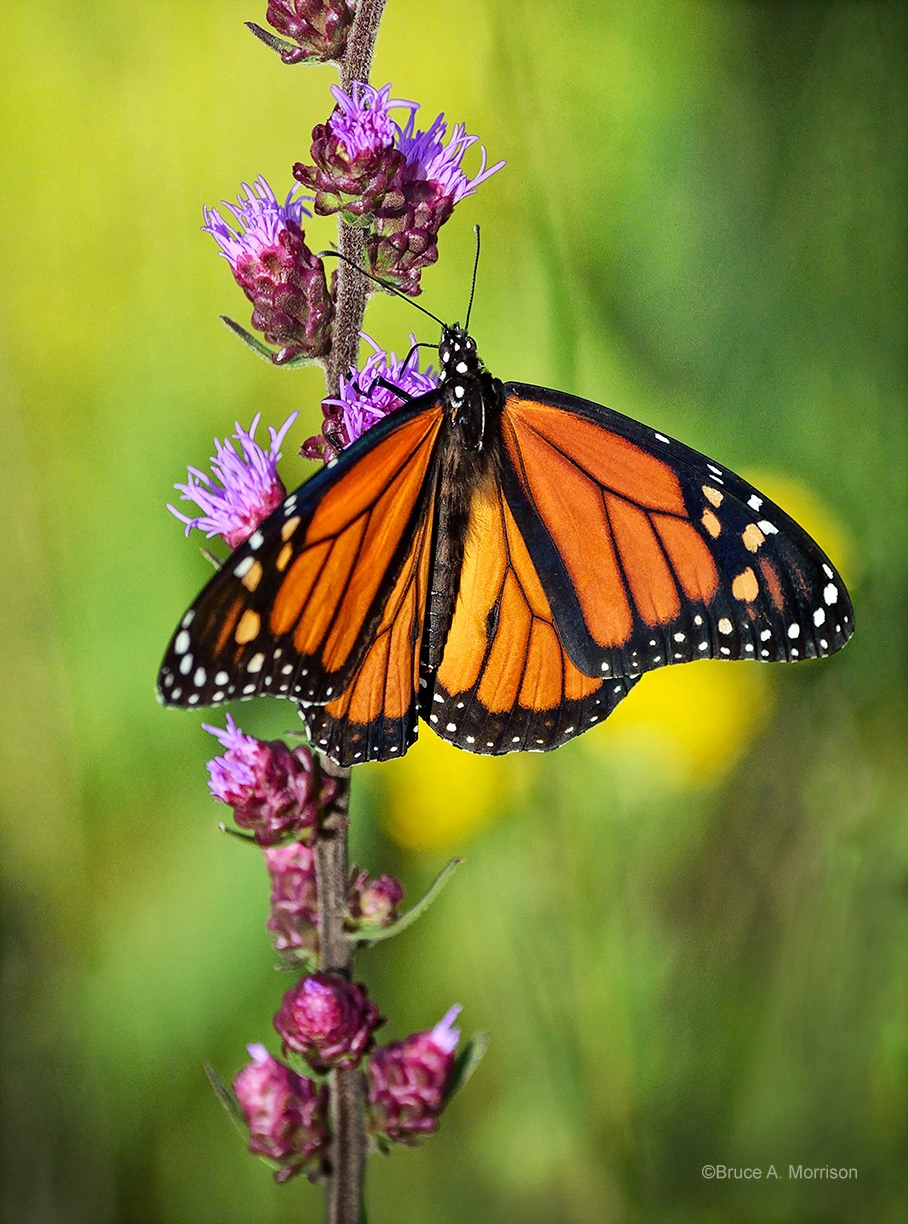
(250, 488)
(354, 154)
(286, 1115)
(271, 263)
(362, 402)
(320, 27)
(328, 1020)
(270, 788)
(429, 160)
(407, 1082)
(404, 183)
(294, 900)
(373, 903)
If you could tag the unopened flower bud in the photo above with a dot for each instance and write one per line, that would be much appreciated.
(407, 1082)
(293, 921)
(328, 1020)
(373, 903)
(286, 1115)
(270, 788)
(319, 27)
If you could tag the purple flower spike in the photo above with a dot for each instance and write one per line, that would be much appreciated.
(363, 401)
(293, 922)
(249, 490)
(432, 182)
(328, 1020)
(320, 27)
(286, 1115)
(407, 1082)
(355, 158)
(270, 788)
(273, 266)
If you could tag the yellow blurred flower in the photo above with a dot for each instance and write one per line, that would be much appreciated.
(439, 795)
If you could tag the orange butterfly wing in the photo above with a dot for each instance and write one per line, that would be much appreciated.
(301, 608)
(650, 553)
(506, 682)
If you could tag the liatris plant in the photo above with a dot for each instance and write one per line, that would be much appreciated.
(392, 185)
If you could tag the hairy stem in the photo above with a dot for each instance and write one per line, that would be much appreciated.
(346, 1086)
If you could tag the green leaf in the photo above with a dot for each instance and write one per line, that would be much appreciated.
(280, 45)
(262, 350)
(370, 936)
(227, 1097)
(465, 1063)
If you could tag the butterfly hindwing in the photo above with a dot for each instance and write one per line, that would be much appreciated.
(295, 610)
(506, 682)
(652, 554)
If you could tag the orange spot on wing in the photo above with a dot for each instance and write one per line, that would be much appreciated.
(745, 586)
(773, 582)
(248, 628)
(752, 537)
(711, 523)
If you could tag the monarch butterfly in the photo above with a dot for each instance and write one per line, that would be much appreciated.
(503, 561)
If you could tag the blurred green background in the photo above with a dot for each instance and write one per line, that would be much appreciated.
(688, 931)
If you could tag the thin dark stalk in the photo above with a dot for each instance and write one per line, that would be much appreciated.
(344, 1191)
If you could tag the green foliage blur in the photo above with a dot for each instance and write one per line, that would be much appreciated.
(701, 223)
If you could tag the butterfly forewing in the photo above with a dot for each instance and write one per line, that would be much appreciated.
(652, 554)
(375, 716)
(295, 609)
(506, 682)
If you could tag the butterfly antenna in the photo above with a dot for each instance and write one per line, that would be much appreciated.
(466, 325)
(384, 284)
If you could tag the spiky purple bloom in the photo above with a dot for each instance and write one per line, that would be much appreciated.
(249, 489)
(292, 305)
(403, 182)
(407, 1082)
(286, 1115)
(373, 903)
(272, 790)
(355, 161)
(363, 401)
(328, 1020)
(404, 237)
(319, 27)
(293, 921)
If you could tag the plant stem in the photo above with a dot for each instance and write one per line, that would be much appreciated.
(344, 1191)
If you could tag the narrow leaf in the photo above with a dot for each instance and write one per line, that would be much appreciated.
(262, 350)
(227, 1098)
(465, 1063)
(271, 40)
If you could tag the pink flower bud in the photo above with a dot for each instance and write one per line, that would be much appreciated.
(286, 1115)
(294, 899)
(328, 1020)
(320, 27)
(373, 903)
(407, 1082)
